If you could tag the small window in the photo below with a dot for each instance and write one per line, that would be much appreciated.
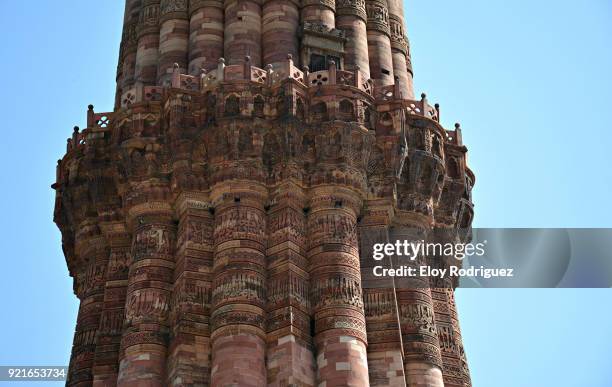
(320, 112)
(258, 106)
(317, 63)
(453, 168)
(347, 112)
(232, 106)
(299, 109)
(336, 60)
(385, 71)
(346, 106)
(321, 62)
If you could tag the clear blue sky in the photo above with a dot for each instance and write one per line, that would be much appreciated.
(528, 80)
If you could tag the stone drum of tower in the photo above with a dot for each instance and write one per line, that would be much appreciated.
(218, 223)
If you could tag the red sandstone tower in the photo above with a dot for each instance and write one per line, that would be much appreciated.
(218, 224)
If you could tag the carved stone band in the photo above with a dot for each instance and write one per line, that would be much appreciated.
(352, 7)
(331, 4)
(195, 5)
(378, 16)
(173, 9)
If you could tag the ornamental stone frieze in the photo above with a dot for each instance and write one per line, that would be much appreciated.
(352, 7)
(177, 7)
(399, 41)
(378, 15)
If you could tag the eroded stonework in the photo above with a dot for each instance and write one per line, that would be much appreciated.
(219, 223)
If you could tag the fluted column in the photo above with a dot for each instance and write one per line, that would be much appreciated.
(144, 342)
(242, 31)
(340, 331)
(129, 43)
(454, 362)
(351, 17)
(402, 67)
(189, 351)
(205, 34)
(147, 54)
(465, 371)
(290, 358)
(422, 357)
(319, 12)
(385, 349)
(92, 251)
(451, 347)
(108, 340)
(173, 38)
(280, 22)
(379, 42)
(238, 298)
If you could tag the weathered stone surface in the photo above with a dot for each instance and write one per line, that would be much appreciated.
(218, 224)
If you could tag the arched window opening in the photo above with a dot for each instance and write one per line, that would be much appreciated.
(232, 106)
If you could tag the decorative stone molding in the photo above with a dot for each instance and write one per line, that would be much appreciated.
(399, 41)
(195, 5)
(352, 7)
(331, 4)
(173, 9)
(378, 16)
(148, 22)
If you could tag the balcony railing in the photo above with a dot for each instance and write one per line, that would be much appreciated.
(271, 76)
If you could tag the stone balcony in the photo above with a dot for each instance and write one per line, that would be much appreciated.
(271, 77)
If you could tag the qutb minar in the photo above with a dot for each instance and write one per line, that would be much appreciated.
(219, 222)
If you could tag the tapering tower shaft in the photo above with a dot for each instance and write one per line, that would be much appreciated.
(400, 49)
(351, 18)
(220, 222)
(147, 53)
(319, 11)
(243, 24)
(159, 35)
(280, 23)
(379, 42)
(173, 39)
(206, 34)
